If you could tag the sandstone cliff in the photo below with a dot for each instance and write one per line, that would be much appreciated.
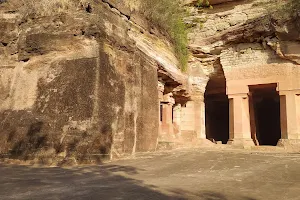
(79, 84)
(238, 33)
(240, 47)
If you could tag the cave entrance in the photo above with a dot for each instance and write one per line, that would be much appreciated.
(265, 114)
(217, 110)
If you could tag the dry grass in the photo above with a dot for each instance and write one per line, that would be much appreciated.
(282, 9)
(46, 7)
(168, 16)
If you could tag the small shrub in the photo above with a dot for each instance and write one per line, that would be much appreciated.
(168, 16)
(203, 3)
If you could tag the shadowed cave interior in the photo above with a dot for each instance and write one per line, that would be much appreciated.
(266, 104)
(217, 110)
(265, 101)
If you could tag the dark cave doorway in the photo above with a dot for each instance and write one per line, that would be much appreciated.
(217, 110)
(266, 113)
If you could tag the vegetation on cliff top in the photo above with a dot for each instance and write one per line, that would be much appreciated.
(44, 7)
(292, 8)
(283, 9)
(168, 16)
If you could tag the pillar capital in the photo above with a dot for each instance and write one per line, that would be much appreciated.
(177, 106)
(160, 89)
(169, 99)
(160, 86)
(197, 84)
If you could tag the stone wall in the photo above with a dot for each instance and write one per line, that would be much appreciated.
(251, 63)
(252, 60)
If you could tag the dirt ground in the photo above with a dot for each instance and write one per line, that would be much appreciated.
(179, 174)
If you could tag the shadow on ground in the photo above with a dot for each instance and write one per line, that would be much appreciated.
(205, 195)
(93, 182)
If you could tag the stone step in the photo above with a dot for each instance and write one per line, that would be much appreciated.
(267, 148)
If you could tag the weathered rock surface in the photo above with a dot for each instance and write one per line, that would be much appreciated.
(248, 30)
(79, 86)
(240, 46)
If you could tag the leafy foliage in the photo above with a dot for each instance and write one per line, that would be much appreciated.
(168, 16)
(202, 3)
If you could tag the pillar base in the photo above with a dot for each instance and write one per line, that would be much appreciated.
(244, 143)
(289, 143)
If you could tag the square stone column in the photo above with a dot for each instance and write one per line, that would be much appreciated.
(199, 128)
(160, 89)
(177, 119)
(290, 118)
(167, 116)
(200, 119)
(187, 118)
(193, 123)
(252, 119)
(167, 120)
(239, 119)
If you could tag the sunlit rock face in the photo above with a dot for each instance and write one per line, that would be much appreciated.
(242, 26)
(81, 85)
(239, 46)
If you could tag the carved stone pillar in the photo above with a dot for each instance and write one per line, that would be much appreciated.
(177, 120)
(198, 90)
(199, 109)
(290, 118)
(239, 121)
(252, 119)
(160, 89)
(167, 114)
